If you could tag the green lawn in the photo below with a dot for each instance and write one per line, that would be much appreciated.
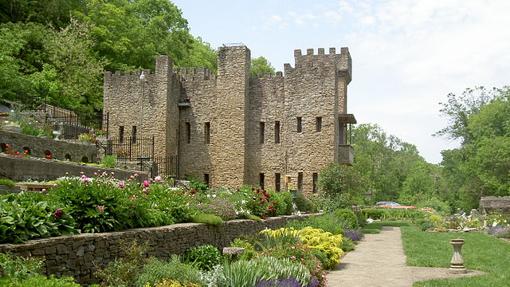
(480, 251)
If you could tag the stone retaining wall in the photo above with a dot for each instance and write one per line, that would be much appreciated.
(59, 149)
(81, 255)
(495, 204)
(21, 169)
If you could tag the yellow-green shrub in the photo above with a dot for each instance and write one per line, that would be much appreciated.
(172, 283)
(317, 239)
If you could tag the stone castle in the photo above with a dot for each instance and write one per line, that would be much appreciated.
(231, 129)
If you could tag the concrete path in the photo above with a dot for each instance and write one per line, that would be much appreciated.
(379, 260)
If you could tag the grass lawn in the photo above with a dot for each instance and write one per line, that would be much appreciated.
(480, 252)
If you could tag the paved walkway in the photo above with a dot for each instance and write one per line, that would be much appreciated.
(379, 260)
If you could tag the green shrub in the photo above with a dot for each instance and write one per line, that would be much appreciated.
(248, 273)
(249, 250)
(39, 281)
(19, 267)
(25, 216)
(347, 245)
(124, 271)
(204, 257)
(347, 216)
(327, 222)
(392, 214)
(220, 207)
(281, 202)
(157, 270)
(303, 203)
(436, 204)
(210, 219)
(87, 138)
(109, 161)
(7, 182)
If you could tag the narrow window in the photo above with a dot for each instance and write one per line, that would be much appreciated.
(277, 182)
(261, 180)
(133, 134)
(277, 132)
(207, 132)
(299, 125)
(318, 124)
(315, 178)
(261, 131)
(121, 134)
(188, 132)
(341, 134)
(300, 181)
(206, 179)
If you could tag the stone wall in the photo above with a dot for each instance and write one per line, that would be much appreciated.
(81, 255)
(59, 149)
(495, 204)
(21, 169)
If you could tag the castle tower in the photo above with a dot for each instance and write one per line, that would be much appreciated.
(228, 130)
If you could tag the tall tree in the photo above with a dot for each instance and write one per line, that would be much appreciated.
(261, 66)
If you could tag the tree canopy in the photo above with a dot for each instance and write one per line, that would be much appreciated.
(261, 66)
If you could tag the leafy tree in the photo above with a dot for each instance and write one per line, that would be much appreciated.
(53, 12)
(261, 66)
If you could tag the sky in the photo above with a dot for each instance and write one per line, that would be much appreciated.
(407, 54)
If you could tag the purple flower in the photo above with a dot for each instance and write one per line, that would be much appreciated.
(289, 282)
(158, 179)
(353, 234)
(122, 184)
(85, 179)
(58, 213)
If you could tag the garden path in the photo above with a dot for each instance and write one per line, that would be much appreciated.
(379, 260)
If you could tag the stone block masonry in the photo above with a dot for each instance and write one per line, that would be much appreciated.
(81, 255)
(230, 128)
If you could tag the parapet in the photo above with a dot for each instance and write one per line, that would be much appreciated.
(195, 74)
(342, 61)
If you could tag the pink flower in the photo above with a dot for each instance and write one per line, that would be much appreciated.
(58, 213)
(85, 179)
(100, 208)
(146, 183)
(158, 179)
(122, 184)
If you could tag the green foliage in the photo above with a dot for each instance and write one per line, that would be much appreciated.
(393, 214)
(109, 161)
(328, 222)
(7, 182)
(347, 216)
(248, 273)
(210, 219)
(25, 216)
(220, 207)
(87, 138)
(39, 281)
(436, 204)
(303, 203)
(348, 245)
(260, 66)
(204, 257)
(156, 270)
(249, 250)
(281, 202)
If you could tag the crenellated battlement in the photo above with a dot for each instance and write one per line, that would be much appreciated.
(319, 58)
(195, 74)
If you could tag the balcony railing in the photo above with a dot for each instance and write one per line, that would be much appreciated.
(345, 154)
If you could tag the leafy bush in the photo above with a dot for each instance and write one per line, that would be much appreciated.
(109, 161)
(327, 222)
(26, 216)
(249, 250)
(39, 281)
(7, 182)
(393, 214)
(220, 207)
(281, 202)
(348, 218)
(347, 245)
(124, 271)
(156, 271)
(87, 138)
(204, 257)
(210, 219)
(250, 273)
(303, 203)
(173, 283)
(436, 204)
(324, 242)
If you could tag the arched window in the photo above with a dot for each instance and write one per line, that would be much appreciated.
(67, 157)
(85, 159)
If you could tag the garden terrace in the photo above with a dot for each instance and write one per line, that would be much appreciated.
(81, 255)
(41, 147)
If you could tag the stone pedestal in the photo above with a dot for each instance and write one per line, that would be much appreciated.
(457, 263)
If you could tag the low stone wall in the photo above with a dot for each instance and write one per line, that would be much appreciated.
(59, 149)
(21, 169)
(495, 204)
(81, 255)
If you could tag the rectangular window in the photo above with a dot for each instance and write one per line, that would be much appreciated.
(261, 132)
(207, 132)
(300, 181)
(277, 182)
(133, 134)
(206, 179)
(277, 132)
(315, 178)
(341, 133)
(121, 134)
(318, 124)
(261, 180)
(188, 132)
(299, 124)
